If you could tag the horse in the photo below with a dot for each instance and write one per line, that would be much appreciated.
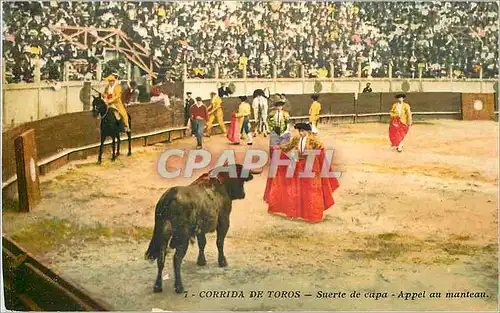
(110, 127)
(260, 108)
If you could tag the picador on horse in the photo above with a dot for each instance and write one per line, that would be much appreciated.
(114, 117)
(113, 98)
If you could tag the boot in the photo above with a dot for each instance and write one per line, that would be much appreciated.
(250, 139)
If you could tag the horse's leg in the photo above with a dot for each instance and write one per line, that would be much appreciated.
(99, 157)
(202, 241)
(118, 145)
(222, 228)
(129, 137)
(180, 252)
(113, 155)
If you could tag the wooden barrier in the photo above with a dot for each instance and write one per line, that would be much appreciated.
(478, 106)
(28, 182)
(30, 285)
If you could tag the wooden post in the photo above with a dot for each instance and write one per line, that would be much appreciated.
(390, 71)
(302, 71)
(420, 72)
(39, 89)
(37, 70)
(28, 182)
(99, 71)
(245, 72)
(117, 45)
(4, 68)
(4, 81)
(332, 70)
(184, 72)
(151, 66)
(85, 97)
(66, 71)
(129, 70)
(450, 72)
(359, 69)
(66, 79)
(274, 71)
(481, 72)
(216, 70)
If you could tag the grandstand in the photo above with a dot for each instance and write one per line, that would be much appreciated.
(409, 39)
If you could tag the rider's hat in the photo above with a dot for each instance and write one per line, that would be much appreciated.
(110, 78)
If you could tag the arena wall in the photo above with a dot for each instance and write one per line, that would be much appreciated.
(24, 103)
(73, 130)
(425, 102)
(287, 86)
(79, 129)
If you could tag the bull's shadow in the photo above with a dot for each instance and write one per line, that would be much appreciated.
(187, 211)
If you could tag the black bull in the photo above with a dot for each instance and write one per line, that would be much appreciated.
(187, 211)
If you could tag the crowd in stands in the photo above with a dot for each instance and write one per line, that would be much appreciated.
(409, 35)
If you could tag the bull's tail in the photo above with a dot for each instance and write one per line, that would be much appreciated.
(161, 237)
(162, 232)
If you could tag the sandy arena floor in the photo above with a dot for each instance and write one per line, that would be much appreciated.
(422, 220)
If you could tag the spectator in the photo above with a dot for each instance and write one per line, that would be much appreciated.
(131, 94)
(367, 88)
(256, 35)
(223, 90)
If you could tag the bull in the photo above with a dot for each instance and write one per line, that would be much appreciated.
(188, 211)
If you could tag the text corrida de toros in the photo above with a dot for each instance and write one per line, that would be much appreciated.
(251, 294)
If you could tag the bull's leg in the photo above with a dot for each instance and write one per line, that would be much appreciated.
(180, 252)
(99, 157)
(161, 264)
(202, 241)
(222, 228)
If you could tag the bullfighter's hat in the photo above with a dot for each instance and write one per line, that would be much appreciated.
(279, 103)
(315, 97)
(198, 98)
(303, 126)
(243, 98)
(401, 95)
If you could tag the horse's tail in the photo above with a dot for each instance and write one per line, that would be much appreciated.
(162, 232)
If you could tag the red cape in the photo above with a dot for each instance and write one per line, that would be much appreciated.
(397, 131)
(233, 133)
(304, 198)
